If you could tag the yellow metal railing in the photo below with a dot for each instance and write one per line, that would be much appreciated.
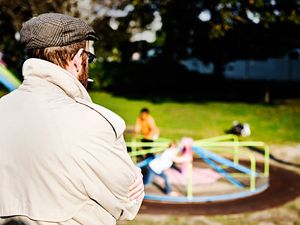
(220, 144)
(242, 144)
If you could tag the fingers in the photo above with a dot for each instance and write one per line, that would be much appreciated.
(137, 194)
(136, 190)
(138, 179)
(136, 186)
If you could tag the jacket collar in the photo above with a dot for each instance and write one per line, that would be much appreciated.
(38, 68)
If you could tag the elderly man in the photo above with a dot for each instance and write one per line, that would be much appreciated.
(63, 158)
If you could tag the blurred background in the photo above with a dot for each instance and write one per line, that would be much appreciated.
(203, 50)
(197, 65)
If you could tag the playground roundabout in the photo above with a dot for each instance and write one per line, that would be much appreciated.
(225, 177)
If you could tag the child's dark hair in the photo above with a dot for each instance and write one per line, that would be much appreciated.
(146, 110)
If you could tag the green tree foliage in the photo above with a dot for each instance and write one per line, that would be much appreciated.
(215, 31)
(212, 31)
(233, 30)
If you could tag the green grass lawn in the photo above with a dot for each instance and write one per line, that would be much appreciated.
(274, 124)
(278, 123)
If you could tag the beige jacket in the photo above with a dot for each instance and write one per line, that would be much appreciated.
(59, 151)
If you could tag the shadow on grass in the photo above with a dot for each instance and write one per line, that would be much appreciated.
(262, 152)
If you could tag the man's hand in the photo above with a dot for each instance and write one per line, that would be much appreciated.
(136, 190)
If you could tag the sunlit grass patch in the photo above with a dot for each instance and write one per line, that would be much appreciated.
(278, 123)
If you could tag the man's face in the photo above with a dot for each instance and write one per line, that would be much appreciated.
(83, 75)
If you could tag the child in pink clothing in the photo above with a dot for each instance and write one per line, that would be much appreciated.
(187, 153)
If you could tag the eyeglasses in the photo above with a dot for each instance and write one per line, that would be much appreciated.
(90, 55)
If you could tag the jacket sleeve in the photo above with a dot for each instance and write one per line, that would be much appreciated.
(108, 170)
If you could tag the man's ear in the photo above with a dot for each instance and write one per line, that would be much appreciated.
(77, 60)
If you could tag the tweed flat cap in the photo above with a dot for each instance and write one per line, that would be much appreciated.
(53, 30)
